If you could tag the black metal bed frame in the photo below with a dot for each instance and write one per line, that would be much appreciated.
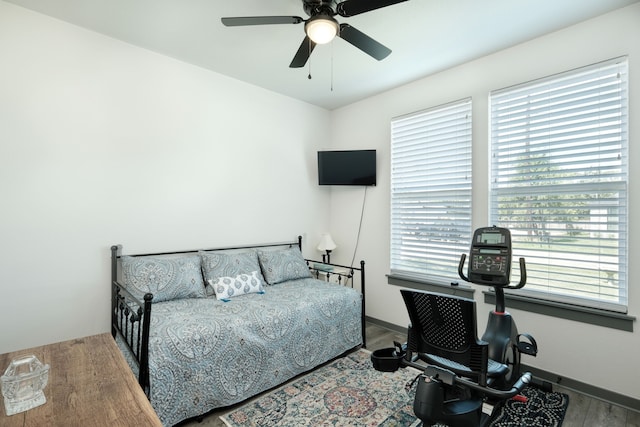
(130, 317)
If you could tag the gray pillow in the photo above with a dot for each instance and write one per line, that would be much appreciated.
(233, 263)
(166, 278)
(282, 265)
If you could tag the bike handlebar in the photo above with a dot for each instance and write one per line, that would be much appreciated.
(463, 257)
(451, 378)
(523, 274)
(517, 387)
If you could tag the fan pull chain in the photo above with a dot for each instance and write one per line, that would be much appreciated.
(309, 60)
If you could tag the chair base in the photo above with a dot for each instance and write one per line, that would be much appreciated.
(431, 407)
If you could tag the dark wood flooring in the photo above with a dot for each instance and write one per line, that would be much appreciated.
(583, 411)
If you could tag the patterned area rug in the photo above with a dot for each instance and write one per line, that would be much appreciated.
(541, 409)
(349, 392)
(346, 392)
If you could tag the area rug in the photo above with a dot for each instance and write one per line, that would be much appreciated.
(346, 392)
(541, 409)
(349, 392)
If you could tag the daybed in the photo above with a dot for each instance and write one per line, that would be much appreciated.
(205, 329)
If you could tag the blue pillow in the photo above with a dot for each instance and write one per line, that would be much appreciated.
(231, 263)
(166, 278)
(281, 265)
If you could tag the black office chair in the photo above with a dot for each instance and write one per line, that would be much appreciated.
(459, 374)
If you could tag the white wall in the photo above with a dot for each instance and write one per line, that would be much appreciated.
(104, 143)
(603, 357)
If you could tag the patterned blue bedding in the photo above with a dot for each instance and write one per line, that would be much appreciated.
(205, 353)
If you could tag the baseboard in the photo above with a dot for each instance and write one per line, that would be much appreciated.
(387, 325)
(579, 386)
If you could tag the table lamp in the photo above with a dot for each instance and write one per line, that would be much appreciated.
(326, 245)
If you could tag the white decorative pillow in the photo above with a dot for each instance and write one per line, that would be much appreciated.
(227, 287)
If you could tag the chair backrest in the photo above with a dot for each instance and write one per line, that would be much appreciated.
(445, 326)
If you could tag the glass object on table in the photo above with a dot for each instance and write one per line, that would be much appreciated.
(23, 383)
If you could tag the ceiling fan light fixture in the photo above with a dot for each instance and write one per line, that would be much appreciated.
(321, 28)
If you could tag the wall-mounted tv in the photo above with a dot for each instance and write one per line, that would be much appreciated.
(347, 167)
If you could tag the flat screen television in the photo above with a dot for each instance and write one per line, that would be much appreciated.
(347, 167)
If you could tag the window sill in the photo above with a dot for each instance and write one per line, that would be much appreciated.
(594, 316)
(465, 291)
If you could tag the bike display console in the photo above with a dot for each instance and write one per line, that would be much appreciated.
(490, 253)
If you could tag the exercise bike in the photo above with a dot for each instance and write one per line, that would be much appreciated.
(463, 374)
(490, 265)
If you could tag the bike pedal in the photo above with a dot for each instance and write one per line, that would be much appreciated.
(527, 348)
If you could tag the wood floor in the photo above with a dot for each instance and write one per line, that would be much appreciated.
(583, 411)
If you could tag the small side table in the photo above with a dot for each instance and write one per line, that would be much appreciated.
(90, 384)
(332, 273)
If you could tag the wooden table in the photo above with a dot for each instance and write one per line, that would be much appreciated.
(90, 384)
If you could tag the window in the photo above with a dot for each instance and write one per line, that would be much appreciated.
(431, 192)
(559, 172)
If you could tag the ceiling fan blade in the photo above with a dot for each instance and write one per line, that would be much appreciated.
(260, 20)
(304, 52)
(355, 7)
(364, 42)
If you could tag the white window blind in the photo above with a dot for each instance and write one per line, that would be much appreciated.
(559, 172)
(431, 191)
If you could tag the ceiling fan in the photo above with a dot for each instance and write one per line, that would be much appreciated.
(322, 27)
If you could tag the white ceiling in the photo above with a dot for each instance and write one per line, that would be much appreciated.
(426, 36)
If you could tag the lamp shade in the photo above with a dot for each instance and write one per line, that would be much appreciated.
(326, 243)
(321, 28)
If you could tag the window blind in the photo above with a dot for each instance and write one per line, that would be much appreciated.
(559, 172)
(431, 191)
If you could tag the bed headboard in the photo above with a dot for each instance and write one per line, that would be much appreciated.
(298, 243)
